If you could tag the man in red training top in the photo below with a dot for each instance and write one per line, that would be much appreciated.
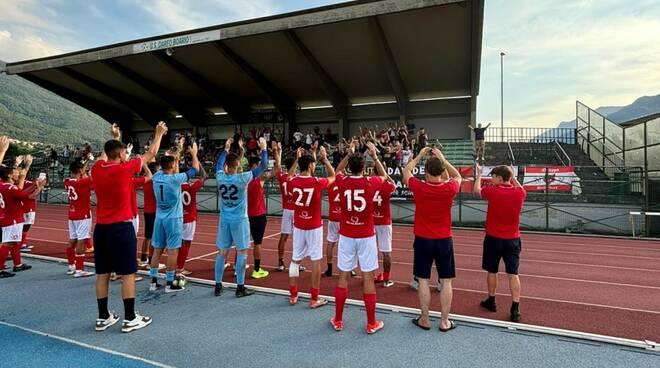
(433, 237)
(505, 201)
(79, 190)
(189, 198)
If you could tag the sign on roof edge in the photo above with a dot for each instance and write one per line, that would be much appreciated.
(177, 41)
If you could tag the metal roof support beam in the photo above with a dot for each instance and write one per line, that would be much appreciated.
(393, 74)
(283, 103)
(194, 114)
(235, 108)
(109, 113)
(149, 115)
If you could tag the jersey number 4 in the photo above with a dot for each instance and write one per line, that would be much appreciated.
(228, 192)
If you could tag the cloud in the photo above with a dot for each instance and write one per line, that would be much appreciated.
(24, 47)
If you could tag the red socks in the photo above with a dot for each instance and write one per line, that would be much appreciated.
(370, 305)
(16, 254)
(293, 290)
(340, 299)
(4, 253)
(71, 255)
(183, 255)
(80, 262)
(315, 294)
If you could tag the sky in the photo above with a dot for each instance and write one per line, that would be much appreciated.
(601, 52)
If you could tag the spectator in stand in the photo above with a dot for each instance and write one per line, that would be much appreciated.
(297, 138)
(422, 139)
(479, 141)
(308, 141)
(328, 135)
(406, 154)
(66, 152)
(53, 158)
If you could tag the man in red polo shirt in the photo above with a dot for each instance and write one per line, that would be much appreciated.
(114, 235)
(257, 211)
(189, 198)
(505, 201)
(433, 237)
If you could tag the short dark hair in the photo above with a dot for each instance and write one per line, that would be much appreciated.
(254, 160)
(5, 172)
(112, 148)
(434, 166)
(304, 161)
(356, 163)
(153, 166)
(232, 160)
(167, 162)
(288, 162)
(503, 171)
(75, 167)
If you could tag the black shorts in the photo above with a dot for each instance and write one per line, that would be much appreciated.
(440, 251)
(257, 228)
(496, 249)
(115, 248)
(149, 219)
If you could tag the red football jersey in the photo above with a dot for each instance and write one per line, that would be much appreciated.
(287, 199)
(306, 192)
(29, 205)
(80, 203)
(189, 199)
(382, 214)
(149, 197)
(334, 200)
(433, 202)
(114, 187)
(137, 183)
(256, 203)
(11, 206)
(357, 193)
(505, 203)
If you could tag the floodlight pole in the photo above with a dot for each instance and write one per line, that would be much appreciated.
(502, 96)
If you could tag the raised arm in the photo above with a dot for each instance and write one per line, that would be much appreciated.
(407, 171)
(487, 125)
(263, 164)
(220, 162)
(148, 176)
(380, 170)
(476, 189)
(328, 166)
(4, 146)
(151, 153)
(514, 179)
(294, 166)
(344, 162)
(453, 172)
(277, 154)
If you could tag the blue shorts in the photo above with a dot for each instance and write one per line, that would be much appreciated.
(237, 233)
(167, 233)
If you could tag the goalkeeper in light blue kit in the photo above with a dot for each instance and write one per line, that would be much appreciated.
(168, 227)
(234, 226)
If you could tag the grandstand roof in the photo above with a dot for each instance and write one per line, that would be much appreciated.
(410, 57)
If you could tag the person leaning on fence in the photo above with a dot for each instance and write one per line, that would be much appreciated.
(479, 141)
(505, 201)
(433, 237)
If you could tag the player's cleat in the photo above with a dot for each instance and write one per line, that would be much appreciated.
(281, 267)
(302, 268)
(353, 274)
(414, 284)
(71, 270)
(4, 274)
(21, 267)
(218, 290)
(293, 300)
(489, 304)
(388, 283)
(327, 273)
(260, 274)
(174, 288)
(227, 265)
(143, 265)
(154, 286)
(26, 248)
(136, 323)
(372, 329)
(515, 315)
(181, 281)
(337, 325)
(379, 278)
(104, 324)
(242, 291)
(79, 274)
(313, 304)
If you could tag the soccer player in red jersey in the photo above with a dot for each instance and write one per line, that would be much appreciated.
(433, 237)
(114, 236)
(505, 202)
(79, 188)
(334, 218)
(357, 239)
(149, 217)
(383, 227)
(306, 191)
(286, 227)
(29, 207)
(257, 211)
(189, 199)
(11, 216)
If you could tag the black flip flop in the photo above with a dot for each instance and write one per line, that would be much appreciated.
(452, 326)
(415, 322)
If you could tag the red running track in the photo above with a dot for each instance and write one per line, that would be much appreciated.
(600, 285)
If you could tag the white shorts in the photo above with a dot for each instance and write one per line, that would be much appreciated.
(307, 243)
(136, 223)
(384, 237)
(29, 217)
(352, 250)
(80, 229)
(12, 233)
(287, 222)
(333, 231)
(189, 231)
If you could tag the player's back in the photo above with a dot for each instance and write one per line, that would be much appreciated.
(306, 192)
(79, 192)
(167, 188)
(232, 190)
(357, 193)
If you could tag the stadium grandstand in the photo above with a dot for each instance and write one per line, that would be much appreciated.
(370, 81)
